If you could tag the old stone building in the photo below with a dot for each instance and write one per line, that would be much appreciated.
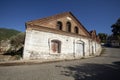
(59, 37)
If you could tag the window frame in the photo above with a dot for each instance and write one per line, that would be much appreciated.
(59, 25)
(68, 26)
(59, 46)
(76, 30)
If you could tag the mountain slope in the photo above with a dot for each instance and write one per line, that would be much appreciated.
(7, 33)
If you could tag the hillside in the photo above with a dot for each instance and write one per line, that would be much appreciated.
(7, 33)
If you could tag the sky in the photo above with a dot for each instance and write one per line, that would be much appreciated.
(96, 15)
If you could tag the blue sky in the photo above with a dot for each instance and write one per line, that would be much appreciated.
(93, 14)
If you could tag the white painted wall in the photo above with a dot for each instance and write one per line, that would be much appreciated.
(37, 46)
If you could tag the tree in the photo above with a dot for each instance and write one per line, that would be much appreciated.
(17, 40)
(17, 43)
(116, 29)
(103, 37)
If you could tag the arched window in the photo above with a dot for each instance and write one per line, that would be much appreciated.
(68, 27)
(56, 46)
(59, 25)
(76, 30)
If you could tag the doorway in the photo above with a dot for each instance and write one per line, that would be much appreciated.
(79, 49)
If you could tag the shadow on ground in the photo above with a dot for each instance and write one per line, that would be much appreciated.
(91, 71)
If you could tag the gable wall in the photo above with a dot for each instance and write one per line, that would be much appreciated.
(52, 24)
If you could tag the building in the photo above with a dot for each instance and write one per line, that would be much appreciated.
(59, 37)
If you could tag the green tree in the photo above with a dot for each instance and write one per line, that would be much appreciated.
(17, 43)
(116, 29)
(103, 37)
(17, 40)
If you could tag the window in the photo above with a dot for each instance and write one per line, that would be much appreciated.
(59, 25)
(76, 30)
(68, 27)
(55, 46)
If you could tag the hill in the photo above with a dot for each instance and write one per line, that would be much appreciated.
(7, 33)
